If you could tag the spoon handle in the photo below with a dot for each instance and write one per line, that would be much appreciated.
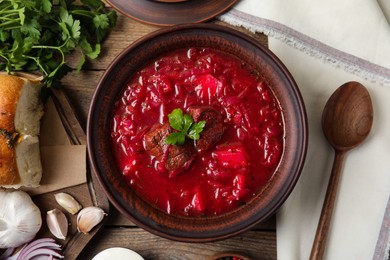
(320, 239)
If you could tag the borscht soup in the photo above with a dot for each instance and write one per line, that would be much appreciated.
(197, 132)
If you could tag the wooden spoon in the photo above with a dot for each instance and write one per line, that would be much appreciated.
(346, 122)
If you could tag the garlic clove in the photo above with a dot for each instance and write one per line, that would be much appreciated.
(57, 223)
(88, 218)
(69, 203)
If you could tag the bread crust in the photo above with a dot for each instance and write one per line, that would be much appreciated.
(10, 89)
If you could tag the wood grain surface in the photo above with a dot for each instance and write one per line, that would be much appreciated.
(87, 194)
(259, 243)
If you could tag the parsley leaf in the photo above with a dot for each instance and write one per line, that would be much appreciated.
(46, 6)
(101, 21)
(176, 119)
(195, 130)
(176, 138)
(185, 127)
(31, 29)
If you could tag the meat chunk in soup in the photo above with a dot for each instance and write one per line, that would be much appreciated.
(214, 127)
(172, 158)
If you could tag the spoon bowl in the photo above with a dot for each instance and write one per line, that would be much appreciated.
(347, 116)
(346, 122)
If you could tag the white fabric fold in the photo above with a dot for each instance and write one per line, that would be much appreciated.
(325, 44)
(385, 6)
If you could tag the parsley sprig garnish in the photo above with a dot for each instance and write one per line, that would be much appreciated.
(185, 127)
(35, 35)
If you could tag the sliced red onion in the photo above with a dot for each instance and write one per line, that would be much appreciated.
(40, 247)
(43, 242)
(42, 251)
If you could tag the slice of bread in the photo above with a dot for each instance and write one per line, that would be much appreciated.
(21, 109)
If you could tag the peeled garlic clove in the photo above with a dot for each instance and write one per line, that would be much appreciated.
(88, 218)
(68, 202)
(57, 223)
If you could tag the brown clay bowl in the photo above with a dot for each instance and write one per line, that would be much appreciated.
(196, 229)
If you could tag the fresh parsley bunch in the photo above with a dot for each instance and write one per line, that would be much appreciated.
(35, 35)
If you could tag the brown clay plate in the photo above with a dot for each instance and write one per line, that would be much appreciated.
(168, 12)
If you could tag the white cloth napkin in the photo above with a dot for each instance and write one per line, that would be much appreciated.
(325, 44)
(385, 6)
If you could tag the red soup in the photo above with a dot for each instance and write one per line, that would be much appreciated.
(236, 152)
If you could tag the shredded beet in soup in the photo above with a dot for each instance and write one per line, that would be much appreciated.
(197, 132)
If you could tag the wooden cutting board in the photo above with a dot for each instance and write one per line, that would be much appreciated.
(88, 194)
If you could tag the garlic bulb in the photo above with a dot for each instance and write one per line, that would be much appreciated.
(68, 202)
(57, 223)
(88, 218)
(20, 218)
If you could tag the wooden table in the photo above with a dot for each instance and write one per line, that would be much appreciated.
(259, 243)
